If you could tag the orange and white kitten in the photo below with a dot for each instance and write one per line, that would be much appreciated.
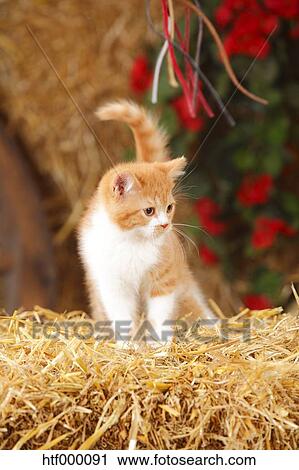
(127, 244)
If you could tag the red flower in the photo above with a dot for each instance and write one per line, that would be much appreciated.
(255, 190)
(206, 207)
(223, 15)
(266, 230)
(213, 227)
(251, 25)
(225, 12)
(263, 238)
(182, 111)
(284, 8)
(141, 75)
(207, 255)
(250, 46)
(257, 301)
(250, 32)
(207, 211)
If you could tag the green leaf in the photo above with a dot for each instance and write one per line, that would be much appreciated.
(244, 160)
(128, 155)
(248, 214)
(165, 91)
(249, 251)
(179, 145)
(169, 120)
(290, 204)
(194, 232)
(277, 131)
(267, 282)
(273, 96)
(264, 71)
(223, 84)
(272, 162)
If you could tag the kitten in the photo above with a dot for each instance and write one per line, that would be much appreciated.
(127, 243)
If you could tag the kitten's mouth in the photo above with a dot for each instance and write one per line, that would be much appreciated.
(162, 229)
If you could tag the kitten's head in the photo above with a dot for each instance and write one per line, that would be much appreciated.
(139, 196)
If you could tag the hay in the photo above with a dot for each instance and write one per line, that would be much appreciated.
(92, 45)
(76, 394)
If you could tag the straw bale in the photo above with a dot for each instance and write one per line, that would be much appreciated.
(73, 393)
(92, 45)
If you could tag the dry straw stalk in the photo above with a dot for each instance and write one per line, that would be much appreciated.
(71, 393)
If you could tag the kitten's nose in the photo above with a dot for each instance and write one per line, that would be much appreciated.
(164, 226)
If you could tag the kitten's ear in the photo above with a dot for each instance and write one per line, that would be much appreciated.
(123, 183)
(176, 167)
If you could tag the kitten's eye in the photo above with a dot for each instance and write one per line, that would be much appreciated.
(169, 208)
(149, 211)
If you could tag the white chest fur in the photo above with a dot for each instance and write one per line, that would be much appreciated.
(110, 252)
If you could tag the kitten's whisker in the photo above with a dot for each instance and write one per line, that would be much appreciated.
(185, 196)
(187, 174)
(181, 179)
(180, 243)
(185, 190)
(195, 226)
(183, 251)
(182, 248)
(178, 185)
(186, 193)
(183, 234)
(184, 186)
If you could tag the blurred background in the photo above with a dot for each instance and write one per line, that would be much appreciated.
(240, 202)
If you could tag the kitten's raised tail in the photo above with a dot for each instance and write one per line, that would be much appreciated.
(151, 141)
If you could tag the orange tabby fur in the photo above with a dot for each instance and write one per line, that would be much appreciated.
(154, 267)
